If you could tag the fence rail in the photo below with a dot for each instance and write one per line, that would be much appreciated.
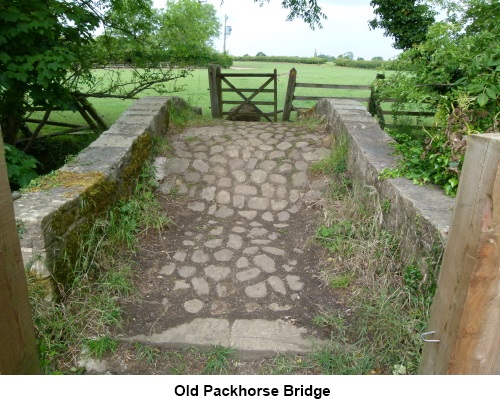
(374, 103)
(293, 85)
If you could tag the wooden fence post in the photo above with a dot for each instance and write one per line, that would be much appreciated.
(287, 109)
(275, 94)
(465, 315)
(18, 354)
(215, 91)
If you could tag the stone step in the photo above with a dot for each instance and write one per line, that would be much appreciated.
(250, 338)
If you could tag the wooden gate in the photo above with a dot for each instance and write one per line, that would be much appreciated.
(219, 85)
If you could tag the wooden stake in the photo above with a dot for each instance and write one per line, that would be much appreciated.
(18, 353)
(287, 109)
(215, 93)
(465, 314)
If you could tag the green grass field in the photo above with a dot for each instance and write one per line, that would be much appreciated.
(195, 87)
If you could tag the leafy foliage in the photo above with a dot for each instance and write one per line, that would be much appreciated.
(426, 161)
(306, 10)
(48, 53)
(21, 167)
(454, 72)
(40, 43)
(407, 21)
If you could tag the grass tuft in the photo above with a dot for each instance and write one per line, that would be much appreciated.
(101, 347)
(147, 354)
(218, 360)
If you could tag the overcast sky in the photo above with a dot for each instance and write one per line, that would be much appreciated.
(265, 29)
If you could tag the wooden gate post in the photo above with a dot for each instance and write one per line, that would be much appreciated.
(275, 95)
(18, 354)
(214, 84)
(287, 109)
(465, 315)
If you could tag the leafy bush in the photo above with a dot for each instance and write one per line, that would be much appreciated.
(426, 160)
(21, 167)
(222, 59)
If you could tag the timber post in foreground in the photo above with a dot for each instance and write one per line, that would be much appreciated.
(287, 109)
(465, 315)
(18, 354)
(214, 82)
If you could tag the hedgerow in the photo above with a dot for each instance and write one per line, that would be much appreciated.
(280, 59)
(365, 64)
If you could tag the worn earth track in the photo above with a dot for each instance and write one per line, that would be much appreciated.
(238, 268)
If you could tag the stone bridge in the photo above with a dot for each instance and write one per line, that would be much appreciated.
(237, 269)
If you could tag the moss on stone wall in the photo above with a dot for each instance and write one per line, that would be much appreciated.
(63, 256)
(98, 197)
(65, 179)
(95, 193)
(141, 151)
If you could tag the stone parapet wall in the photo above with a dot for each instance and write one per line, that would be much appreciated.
(420, 216)
(51, 217)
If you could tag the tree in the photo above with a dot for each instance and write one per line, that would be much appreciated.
(407, 21)
(187, 30)
(377, 58)
(48, 52)
(260, 54)
(348, 55)
(40, 43)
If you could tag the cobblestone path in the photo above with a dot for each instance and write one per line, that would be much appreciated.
(237, 269)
